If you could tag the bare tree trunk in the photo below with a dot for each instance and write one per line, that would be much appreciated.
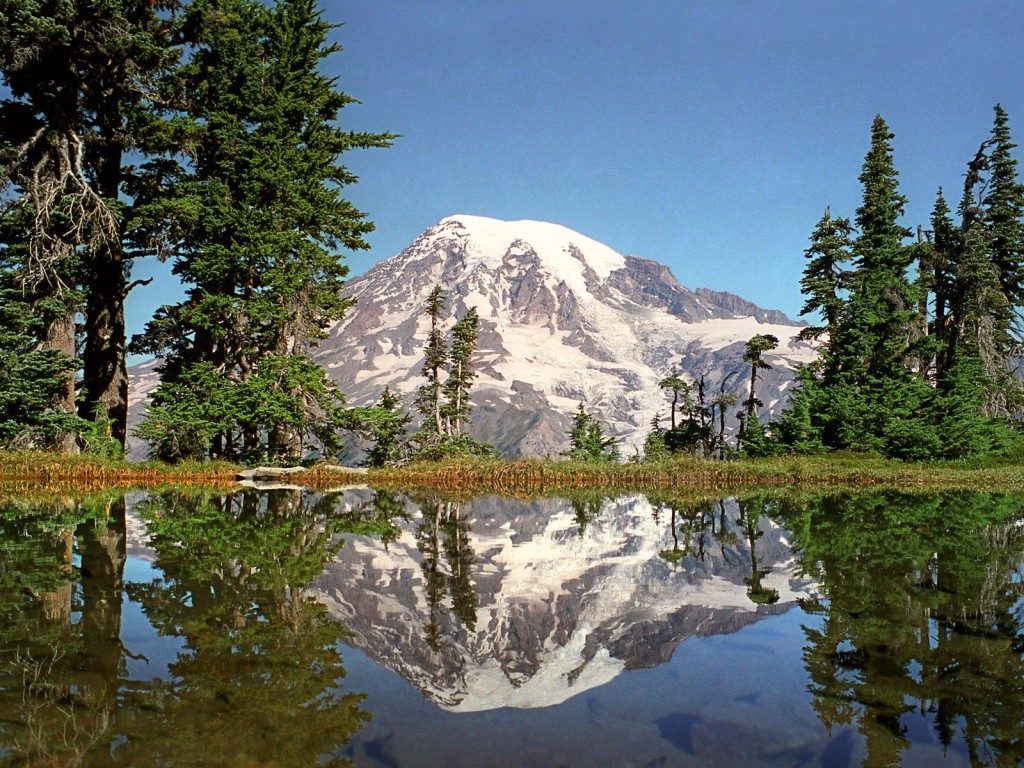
(60, 336)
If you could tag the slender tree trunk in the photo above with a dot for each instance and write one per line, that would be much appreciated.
(925, 361)
(751, 404)
(458, 403)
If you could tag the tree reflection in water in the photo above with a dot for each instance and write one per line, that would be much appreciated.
(256, 679)
(48, 713)
(693, 524)
(442, 538)
(923, 617)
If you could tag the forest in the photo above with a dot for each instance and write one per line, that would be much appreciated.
(205, 133)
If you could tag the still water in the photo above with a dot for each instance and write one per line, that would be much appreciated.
(284, 628)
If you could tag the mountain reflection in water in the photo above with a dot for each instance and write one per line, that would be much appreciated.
(287, 628)
(563, 598)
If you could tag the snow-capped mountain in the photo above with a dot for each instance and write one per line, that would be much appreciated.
(564, 319)
(555, 610)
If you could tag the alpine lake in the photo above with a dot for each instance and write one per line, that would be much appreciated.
(363, 628)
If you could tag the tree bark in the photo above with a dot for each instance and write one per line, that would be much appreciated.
(60, 336)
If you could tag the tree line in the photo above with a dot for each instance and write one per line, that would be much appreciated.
(920, 336)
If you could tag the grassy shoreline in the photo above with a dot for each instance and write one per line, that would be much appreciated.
(531, 477)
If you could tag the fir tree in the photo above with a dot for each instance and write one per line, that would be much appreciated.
(873, 342)
(893, 380)
(435, 355)
(461, 373)
(941, 264)
(721, 404)
(259, 216)
(825, 274)
(1004, 209)
(35, 411)
(37, 343)
(863, 393)
(82, 81)
(752, 436)
(385, 425)
(978, 303)
(674, 384)
(587, 440)
(756, 346)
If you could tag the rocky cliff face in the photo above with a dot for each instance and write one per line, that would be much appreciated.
(564, 319)
(501, 603)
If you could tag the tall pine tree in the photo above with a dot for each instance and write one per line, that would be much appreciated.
(82, 81)
(435, 355)
(825, 275)
(461, 373)
(259, 217)
(864, 395)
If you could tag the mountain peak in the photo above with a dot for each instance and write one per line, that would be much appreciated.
(563, 318)
(563, 251)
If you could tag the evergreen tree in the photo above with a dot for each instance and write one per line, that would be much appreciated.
(863, 394)
(35, 411)
(435, 355)
(461, 374)
(721, 404)
(978, 303)
(872, 343)
(654, 444)
(587, 440)
(258, 216)
(692, 428)
(1004, 209)
(81, 80)
(751, 430)
(756, 346)
(798, 428)
(37, 349)
(941, 263)
(674, 384)
(384, 424)
(388, 431)
(826, 272)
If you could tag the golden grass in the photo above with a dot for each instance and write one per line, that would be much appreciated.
(531, 477)
(820, 472)
(35, 471)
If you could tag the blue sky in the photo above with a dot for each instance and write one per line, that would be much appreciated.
(709, 136)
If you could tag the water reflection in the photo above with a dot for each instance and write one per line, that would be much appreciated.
(922, 620)
(199, 629)
(256, 673)
(694, 525)
(500, 603)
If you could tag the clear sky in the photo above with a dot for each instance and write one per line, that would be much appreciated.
(708, 135)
